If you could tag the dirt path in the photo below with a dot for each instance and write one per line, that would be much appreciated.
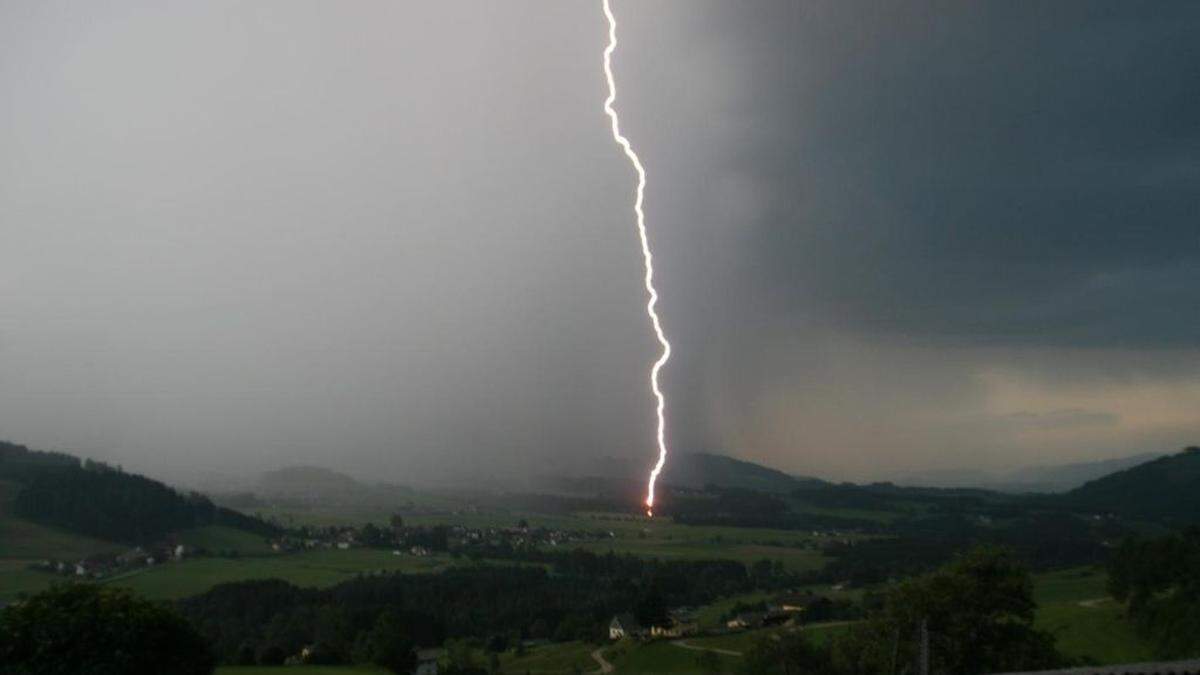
(1093, 603)
(685, 645)
(598, 657)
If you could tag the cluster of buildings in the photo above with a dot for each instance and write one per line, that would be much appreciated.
(521, 536)
(680, 623)
(101, 565)
(788, 609)
(423, 540)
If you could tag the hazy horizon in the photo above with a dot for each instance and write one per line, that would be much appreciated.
(397, 240)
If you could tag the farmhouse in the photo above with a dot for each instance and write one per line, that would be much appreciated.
(624, 625)
(676, 628)
(759, 619)
(745, 620)
(790, 602)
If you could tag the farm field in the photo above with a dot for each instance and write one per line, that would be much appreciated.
(633, 535)
(566, 657)
(661, 657)
(794, 559)
(1074, 606)
(24, 540)
(215, 538)
(744, 641)
(16, 580)
(319, 569)
(1070, 585)
(171, 581)
(621, 525)
(1097, 631)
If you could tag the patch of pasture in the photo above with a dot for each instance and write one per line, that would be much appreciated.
(322, 568)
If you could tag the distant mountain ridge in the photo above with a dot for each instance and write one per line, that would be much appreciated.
(298, 481)
(1165, 489)
(1049, 478)
(686, 470)
(697, 469)
(314, 484)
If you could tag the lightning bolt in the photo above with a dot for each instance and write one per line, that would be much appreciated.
(647, 256)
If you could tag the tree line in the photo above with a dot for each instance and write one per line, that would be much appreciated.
(573, 596)
(1159, 582)
(103, 501)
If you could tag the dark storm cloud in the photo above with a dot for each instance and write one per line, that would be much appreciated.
(398, 239)
(890, 232)
(979, 172)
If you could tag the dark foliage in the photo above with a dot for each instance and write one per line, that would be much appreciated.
(386, 646)
(1042, 540)
(81, 628)
(20, 464)
(790, 654)
(747, 508)
(1160, 582)
(101, 501)
(977, 611)
(1166, 489)
(572, 601)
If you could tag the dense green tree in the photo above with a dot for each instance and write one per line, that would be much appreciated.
(1159, 580)
(102, 501)
(978, 613)
(373, 535)
(788, 654)
(651, 607)
(387, 645)
(82, 628)
(271, 655)
(461, 655)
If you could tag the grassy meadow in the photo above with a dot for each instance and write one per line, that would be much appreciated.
(215, 538)
(1075, 607)
(566, 657)
(320, 569)
(23, 540)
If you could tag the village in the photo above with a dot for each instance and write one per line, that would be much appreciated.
(426, 540)
(99, 566)
(788, 610)
(402, 540)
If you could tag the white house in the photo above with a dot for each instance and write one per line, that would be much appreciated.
(624, 625)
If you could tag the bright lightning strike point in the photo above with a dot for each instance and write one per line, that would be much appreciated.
(647, 256)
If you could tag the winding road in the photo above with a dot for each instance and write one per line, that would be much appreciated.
(598, 657)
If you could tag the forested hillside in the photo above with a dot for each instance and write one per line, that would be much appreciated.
(98, 500)
(1166, 489)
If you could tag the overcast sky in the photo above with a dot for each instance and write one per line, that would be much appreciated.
(396, 238)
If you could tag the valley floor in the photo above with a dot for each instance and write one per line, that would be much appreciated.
(1073, 604)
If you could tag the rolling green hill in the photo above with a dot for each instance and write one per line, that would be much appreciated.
(22, 539)
(698, 469)
(103, 502)
(1166, 490)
